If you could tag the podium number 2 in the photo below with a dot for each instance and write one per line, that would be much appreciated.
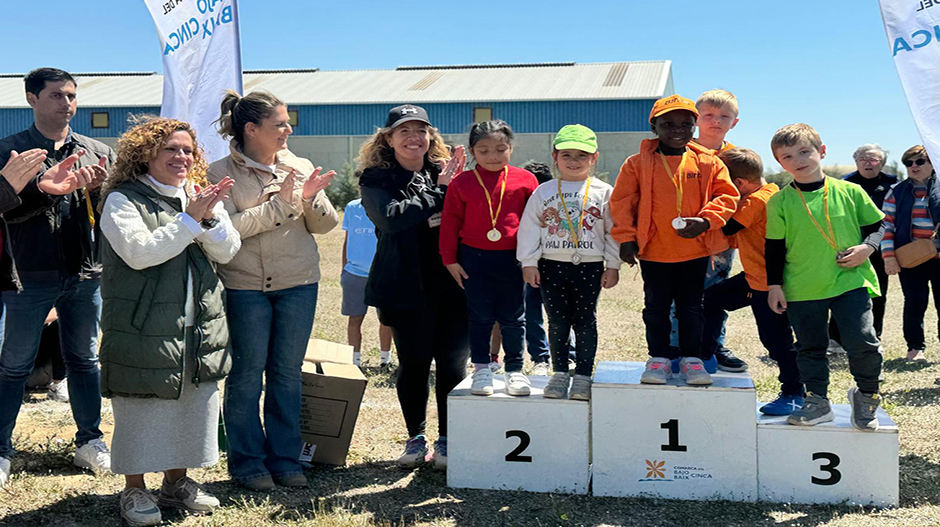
(673, 426)
(524, 441)
(834, 475)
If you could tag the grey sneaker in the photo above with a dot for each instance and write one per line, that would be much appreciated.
(440, 453)
(815, 410)
(693, 371)
(138, 508)
(188, 495)
(581, 388)
(658, 371)
(416, 452)
(557, 387)
(863, 409)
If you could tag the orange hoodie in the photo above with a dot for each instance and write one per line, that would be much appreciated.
(638, 216)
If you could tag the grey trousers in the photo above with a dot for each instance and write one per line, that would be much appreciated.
(852, 312)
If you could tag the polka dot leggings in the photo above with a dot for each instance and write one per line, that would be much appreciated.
(569, 294)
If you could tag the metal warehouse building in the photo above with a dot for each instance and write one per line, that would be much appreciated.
(334, 111)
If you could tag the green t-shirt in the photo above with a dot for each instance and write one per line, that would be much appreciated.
(811, 272)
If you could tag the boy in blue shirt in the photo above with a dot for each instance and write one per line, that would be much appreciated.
(358, 251)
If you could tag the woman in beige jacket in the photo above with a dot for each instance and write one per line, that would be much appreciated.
(277, 205)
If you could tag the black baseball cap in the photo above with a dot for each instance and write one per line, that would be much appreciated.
(404, 113)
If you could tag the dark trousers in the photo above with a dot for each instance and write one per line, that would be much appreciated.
(569, 294)
(663, 284)
(535, 339)
(852, 312)
(495, 292)
(916, 283)
(438, 332)
(877, 304)
(49, 351)
(773, 329)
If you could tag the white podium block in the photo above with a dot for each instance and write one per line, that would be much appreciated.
(517, 443)
(673, 440)
(828, 463)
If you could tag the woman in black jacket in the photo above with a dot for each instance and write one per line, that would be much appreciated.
(405, 172)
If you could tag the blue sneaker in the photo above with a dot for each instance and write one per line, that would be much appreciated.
(783, 405)
(416, 452)
(711, 365)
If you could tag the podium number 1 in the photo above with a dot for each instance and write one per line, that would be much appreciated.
(524, 441)
(673, 426)
(834, 475)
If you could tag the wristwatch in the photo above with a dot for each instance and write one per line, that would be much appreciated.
(210, 223)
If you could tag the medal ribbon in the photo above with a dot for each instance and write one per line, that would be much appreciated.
(831, 238)
(564, 207)
(489, 199)
(677, 179)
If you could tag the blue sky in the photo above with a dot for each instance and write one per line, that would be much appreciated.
(824, 62)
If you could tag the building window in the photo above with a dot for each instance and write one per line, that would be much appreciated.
(292, 119)
(100, 120)
(482, 114)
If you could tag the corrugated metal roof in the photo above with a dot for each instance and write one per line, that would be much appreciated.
(429, 84)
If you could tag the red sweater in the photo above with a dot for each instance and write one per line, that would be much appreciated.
(466, 217)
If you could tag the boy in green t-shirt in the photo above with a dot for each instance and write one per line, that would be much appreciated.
(817, 262)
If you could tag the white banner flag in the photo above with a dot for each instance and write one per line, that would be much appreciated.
(201, 59)
(913, 28)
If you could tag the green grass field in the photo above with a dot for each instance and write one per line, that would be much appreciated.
(47, 490)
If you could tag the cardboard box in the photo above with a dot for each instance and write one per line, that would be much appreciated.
(331, 394)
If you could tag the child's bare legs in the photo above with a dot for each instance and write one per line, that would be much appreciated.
(354, 335)
(137, 480)
(385, 344)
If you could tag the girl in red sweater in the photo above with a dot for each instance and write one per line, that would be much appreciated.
(478, 246)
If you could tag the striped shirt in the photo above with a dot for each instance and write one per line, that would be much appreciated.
(921, 224)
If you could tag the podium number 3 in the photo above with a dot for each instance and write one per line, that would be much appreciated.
(673, 426)
(524, 441)
(833, 461)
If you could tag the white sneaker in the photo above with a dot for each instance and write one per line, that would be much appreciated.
(94, 455)
(540, 369)
(517, 383)
(495, 366)
(658, 371)
(59, 391)
(385, 357)
(138, 508)
(482, 382)
(4, 471)
(188, 495)
(357, 359)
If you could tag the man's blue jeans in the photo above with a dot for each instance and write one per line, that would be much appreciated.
(78, 303)
(269, 333)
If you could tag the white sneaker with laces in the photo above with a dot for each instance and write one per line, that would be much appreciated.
(94, 455)
(188, 495)
(482, 382)
(540, 369)
(4, 471)
(517, 383)
(59, 391)
(138, 508)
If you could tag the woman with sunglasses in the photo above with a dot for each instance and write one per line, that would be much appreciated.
(912, 211)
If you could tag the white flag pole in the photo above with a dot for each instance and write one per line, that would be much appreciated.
(201, 50)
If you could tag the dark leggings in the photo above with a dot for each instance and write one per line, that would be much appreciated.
(437, 332)
(569, 294)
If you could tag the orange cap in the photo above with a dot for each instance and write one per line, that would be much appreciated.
(673, 102)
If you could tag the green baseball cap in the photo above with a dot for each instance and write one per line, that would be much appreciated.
(576, 137)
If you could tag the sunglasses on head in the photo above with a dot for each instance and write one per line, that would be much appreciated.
(911, 162)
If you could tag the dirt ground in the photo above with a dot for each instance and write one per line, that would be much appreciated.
(371, 491)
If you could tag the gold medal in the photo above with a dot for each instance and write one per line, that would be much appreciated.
(679, 223)
(575, 230)
(493, 235)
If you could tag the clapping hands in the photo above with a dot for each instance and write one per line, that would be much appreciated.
(452, 167)
(200, 206)
(63, 178)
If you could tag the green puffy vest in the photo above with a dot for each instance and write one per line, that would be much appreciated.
(143, 314)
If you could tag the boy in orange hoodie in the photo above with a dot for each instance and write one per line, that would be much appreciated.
(668, 206)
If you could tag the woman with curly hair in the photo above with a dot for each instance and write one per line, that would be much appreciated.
(278, 204)
(405, 172)
(163, 321)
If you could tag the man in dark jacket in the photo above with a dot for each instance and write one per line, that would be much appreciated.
(870, 161)
(51, 238)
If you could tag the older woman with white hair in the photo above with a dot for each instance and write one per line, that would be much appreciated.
(870, 161)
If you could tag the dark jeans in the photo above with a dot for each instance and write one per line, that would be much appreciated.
(78, 303)
(852, 311)
(877, 304)
(569, 294)
(535, 339)
(916, 283)
(495, 292)
(438, 332)
(269, 332)
(773, 329)
(663, 284)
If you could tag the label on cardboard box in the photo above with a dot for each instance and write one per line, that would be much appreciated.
(321, 416)
(306, 453)
(330, 397)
